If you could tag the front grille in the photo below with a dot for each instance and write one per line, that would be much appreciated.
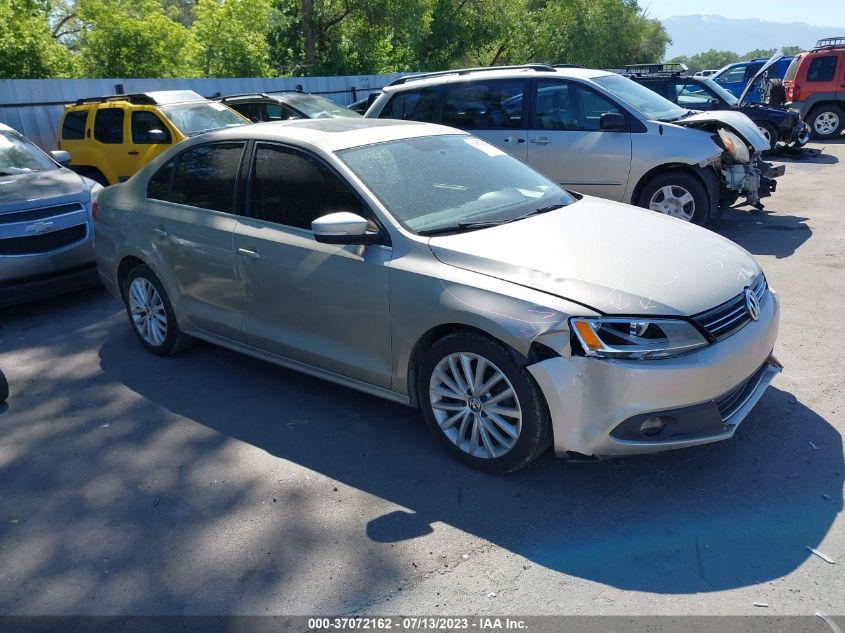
(43, 243)
(31, 215)
(730, 402)
(723, 320)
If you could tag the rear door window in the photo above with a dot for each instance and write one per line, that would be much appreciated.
(108, 125)
(497, 104)
(203, 176)
(73, 128)
(822, 68)
(412, 105)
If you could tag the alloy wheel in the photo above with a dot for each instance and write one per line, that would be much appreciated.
(674, 201)
(147, 310)
(475, 405)
(826, 123)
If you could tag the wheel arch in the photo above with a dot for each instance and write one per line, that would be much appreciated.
(706, 175)
(429, 337)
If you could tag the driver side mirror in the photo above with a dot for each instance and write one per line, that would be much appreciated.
(157, 136)
(612, 122)
(61, 157)
(714, 103)
(343, 228)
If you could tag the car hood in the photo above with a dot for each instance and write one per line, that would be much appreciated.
(738, 121)
(750, 85)
(42, 188)
(612, 257)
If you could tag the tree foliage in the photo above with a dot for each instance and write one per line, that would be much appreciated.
(227, 38)
(28, 46)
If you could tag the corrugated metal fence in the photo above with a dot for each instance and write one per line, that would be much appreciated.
(34, 106)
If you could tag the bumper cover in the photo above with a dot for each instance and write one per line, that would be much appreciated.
(590, 398)
(46, 285)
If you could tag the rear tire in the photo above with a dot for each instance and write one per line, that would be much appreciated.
(485, 408)
(826, 122)
(151, 313)
(676, 194)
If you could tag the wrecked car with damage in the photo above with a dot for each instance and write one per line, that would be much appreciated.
(597, 133)
(780, 125)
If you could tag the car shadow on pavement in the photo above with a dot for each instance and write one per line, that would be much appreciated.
(763, 232)
(720, 516)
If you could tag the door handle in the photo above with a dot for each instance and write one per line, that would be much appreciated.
(514, 139)
(160, 232)
(541, 141)
(133, 153)
(245, 252)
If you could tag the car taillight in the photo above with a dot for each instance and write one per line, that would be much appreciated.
(796, 93)
(94, 209)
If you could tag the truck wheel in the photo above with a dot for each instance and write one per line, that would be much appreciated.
(677, 194)
(770, 132)
(826, 122)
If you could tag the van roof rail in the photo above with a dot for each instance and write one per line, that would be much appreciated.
(466, 71)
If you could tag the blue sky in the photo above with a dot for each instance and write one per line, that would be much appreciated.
(816, 12)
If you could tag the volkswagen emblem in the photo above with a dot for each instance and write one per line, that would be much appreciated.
(752, 303)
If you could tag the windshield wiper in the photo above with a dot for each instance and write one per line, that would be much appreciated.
(471, 226)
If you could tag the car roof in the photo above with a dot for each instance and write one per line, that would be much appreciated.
(276, 95)
(155, 97)
(506, 73)
(331, 134)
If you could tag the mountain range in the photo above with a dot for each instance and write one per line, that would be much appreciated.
(693, 34)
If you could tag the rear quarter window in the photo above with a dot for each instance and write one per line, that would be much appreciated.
(73, 127)
(792, 70)
(412, 105)
(822, 68)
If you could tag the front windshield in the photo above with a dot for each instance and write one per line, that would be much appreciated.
(724, 94)
(435, 183)
(203, 116)
(643, 99)
(315, 107)
(19, 156)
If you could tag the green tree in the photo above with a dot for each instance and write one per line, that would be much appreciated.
(232, 37)
(789, 51)
(709, 60)
(134, 38)
(29, 48)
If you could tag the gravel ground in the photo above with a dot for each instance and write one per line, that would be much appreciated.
(212, 483)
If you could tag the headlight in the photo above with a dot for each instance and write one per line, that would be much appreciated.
(734, 145)
(640, 339)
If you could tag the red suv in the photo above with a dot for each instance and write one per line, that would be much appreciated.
(815, 84)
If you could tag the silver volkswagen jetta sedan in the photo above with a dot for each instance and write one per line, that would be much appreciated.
(424, 265)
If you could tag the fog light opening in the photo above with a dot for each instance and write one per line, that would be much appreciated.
(654, 426)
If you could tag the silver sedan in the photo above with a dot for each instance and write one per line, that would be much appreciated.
(423, 265)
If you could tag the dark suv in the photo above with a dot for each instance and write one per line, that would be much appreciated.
(815, 84)
(777, 123)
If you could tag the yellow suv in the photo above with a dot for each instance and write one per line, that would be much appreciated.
(110, 138)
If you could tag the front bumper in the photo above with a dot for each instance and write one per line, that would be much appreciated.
(39, 286)
(590, 398)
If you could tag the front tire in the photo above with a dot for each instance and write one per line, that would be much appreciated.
(676, 194)
(770, 132)
(486, 409)
(151, 313)
(826, 122)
